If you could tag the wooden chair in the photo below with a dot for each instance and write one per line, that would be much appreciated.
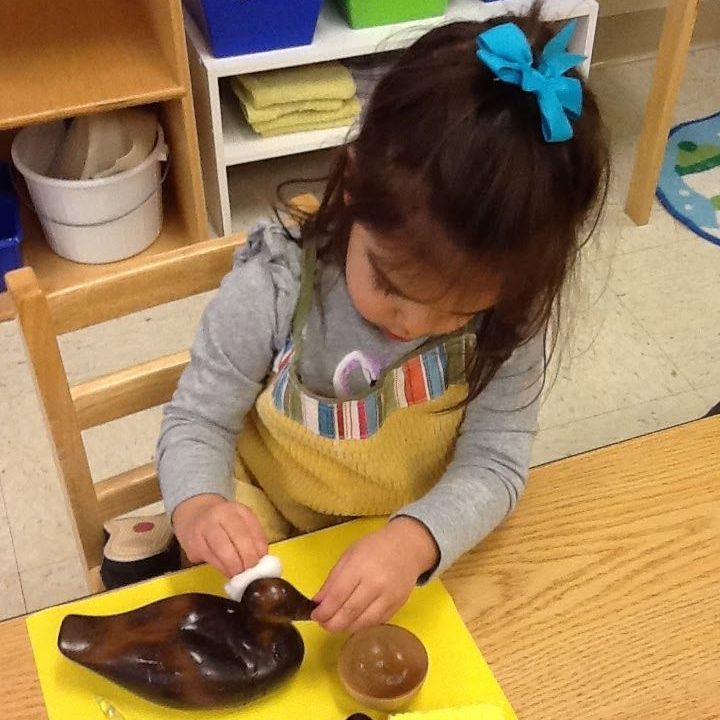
(673, 51)
(70, 410)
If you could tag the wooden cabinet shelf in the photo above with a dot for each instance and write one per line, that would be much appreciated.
(60, 59)
(58, 274)
(65, 58)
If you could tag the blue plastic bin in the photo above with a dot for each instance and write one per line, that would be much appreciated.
(240, 27)
(10, 231)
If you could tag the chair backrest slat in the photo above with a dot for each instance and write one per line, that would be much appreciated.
(128, 491)
(174, 275)
(128, 391)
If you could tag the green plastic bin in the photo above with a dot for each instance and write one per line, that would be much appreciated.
(368, 13)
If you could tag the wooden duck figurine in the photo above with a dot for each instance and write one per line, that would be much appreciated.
(196, 650)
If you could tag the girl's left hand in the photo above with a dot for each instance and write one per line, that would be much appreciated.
(375, 576)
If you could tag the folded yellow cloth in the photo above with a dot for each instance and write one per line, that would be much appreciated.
(471, 712)
(258, 115)
(305, 127)
(323, 81)
(310, 120)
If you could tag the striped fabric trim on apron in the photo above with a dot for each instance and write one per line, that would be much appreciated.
(425, 376)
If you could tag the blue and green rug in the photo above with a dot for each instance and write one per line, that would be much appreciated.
(689, 186)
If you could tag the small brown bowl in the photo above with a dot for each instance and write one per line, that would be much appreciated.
(384, 667)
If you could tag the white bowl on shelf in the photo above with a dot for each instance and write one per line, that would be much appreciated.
(92, 221)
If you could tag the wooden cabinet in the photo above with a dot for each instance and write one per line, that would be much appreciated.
(65, 58)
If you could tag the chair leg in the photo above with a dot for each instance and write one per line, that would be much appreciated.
(674, 47)
(95, 582)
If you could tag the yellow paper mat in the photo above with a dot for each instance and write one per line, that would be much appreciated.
(458, 673)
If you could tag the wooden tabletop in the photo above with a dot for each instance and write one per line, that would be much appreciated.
(598, 600)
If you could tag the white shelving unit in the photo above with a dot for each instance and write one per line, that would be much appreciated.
(225, 138)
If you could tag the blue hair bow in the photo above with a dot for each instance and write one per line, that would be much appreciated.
(506, 51)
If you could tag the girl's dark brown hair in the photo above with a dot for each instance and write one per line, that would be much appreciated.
(445, 144)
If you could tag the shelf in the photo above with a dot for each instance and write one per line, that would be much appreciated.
(253, 188)
(227, 142)
(56, 273)
(242, 145)
(59, 59)
(335, 39)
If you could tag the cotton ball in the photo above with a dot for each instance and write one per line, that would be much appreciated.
(268, 566)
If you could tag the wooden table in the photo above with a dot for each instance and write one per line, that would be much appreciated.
(599, 599)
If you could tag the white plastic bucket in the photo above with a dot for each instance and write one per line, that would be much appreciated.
(91, 221)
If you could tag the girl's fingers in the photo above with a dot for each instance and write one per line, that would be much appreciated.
(353, 608)
(194, 548)
(204, 553)
(225, 550)
(340, 585)
(331, 578)
(239, 537)
(375, 614)
(254, 529)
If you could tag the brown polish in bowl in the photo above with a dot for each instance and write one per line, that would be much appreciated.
(383, 667)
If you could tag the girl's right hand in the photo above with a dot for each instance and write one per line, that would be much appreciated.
(225, 534)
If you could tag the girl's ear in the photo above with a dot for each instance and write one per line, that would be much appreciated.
(348, 173)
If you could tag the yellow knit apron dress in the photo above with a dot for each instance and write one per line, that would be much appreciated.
(305, 462)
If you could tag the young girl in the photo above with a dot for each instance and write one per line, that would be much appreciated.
(388, 360)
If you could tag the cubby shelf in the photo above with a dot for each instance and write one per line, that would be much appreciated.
(65, 58)
(226, 139)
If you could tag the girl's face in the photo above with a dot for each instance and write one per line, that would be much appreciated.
(403, 301)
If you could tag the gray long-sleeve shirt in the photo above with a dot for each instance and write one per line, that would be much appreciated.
(246, 326)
